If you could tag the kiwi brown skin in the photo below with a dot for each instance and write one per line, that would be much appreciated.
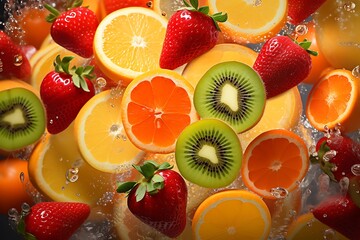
(218, 139)
(242, 89)
(20, 99)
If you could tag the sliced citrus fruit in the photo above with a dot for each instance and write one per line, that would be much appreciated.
(128, 42)
(167, 8)
(58, 171)
(282, 111)
(306, 226)
(335, 100)
(232, 214)
(274, 163)
(156, 107)
(100, 135)
(223, 52)
(250, 21)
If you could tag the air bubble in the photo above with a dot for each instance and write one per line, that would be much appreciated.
(279, 192)
(25, 209)
(329, 155)
(355, 169)
(344, 185)
(18, 60)
(349, 6)
(72, 174)
(149, 4)
(329, 234)
(301, 29)
(356, 71)
(22, 177)
(101, 82)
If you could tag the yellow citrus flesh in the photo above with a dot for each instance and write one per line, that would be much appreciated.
(306, 226)
(333, 100)
(58, 171)
(128, 42)
(100, 135)
(232, 214)
(220, 53)
(250, 20)
(282, 111)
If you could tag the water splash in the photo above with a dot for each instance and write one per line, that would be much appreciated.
(279, 192)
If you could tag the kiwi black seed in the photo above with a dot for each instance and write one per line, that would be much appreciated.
(233, 92)
(22, 118)
(208, 153)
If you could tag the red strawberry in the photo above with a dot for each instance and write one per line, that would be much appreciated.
(112, 5)
(74, 29)
(337, 154)
(64, 91)
(190, 33)
(53, 220)
(299, 10)
(341, 214)
(13, 61)
(282, 64)
(159, 199)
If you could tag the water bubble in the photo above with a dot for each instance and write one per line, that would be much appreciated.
(51, 121)
(279, 192)
(356, 71)
(329, 155)
(13, 212)
(72, 174)
(101, 82)
(22, 177)
(344, 185)
(18, 60)
(355, 169)
(149, 4)
(257, 3)
(329, 234)
(25, 209)
(301, 29)
(349, 6)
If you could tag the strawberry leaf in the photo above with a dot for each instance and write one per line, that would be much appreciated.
(148, 170)
(125, 187)
(54, 13)
(205, 10)
(165, 165)
(140, 192)
(194, 3)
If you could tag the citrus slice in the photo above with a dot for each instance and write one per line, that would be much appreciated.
(223, 52)
(335, 100)
(281, 111)
(128, 42)
(167, 8)
(232, 214)
(100, 135)
(274, 163)
(156, 107)
(250, 20)
(307, 226)
(58, 171)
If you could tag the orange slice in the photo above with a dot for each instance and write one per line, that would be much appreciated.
(335, 100)
(307, 226)
(274, 163)
(128, 42)
(100, 135)
(232, 215)
(156, 107)
(250, 20)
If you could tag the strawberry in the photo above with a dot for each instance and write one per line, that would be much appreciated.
(113, 5)
(337, 154)
(190, 33)
(282, 63)
(340, 213)
(13, 60)
(159, 199)
(74, 29)
(52, 220)
(299, 10)
(64, 91)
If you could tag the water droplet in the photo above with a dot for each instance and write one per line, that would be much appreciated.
(329, 155)
(13, 212)
(163, 13)
(72, 174)
(149, 4)
(257, 3)
(22, 177)
(344, 185)
(355, 169)
(349, 6)
(101, 82)
(51, 121)
(356, 71)
(18, 60)
(279, 192)
(324, 215)
(25, 209)
(301, 29)
(329, 234)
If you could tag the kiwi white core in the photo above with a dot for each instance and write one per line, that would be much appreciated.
(229, 96)
(15, 117)
(209, 152)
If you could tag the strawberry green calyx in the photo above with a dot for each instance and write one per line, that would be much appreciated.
(305, 44)
(78, 74)
(20, 228)
(150, 183)
(54, 13)
(217, 17)
(320, 158)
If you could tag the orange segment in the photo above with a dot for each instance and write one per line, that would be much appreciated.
(128, 43)
(250, 20)
(335, 100)
(232, 215)
(156, 107)
(100, 135)
(276, 159)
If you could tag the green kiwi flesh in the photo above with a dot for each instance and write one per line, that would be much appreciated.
(233, 92)
(208, 153)
(22, 118)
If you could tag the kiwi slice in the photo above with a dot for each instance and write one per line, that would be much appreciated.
(22, 118)
(208, 153)
(233, 92)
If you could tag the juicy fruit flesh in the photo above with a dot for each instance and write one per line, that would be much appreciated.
(22, 119)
